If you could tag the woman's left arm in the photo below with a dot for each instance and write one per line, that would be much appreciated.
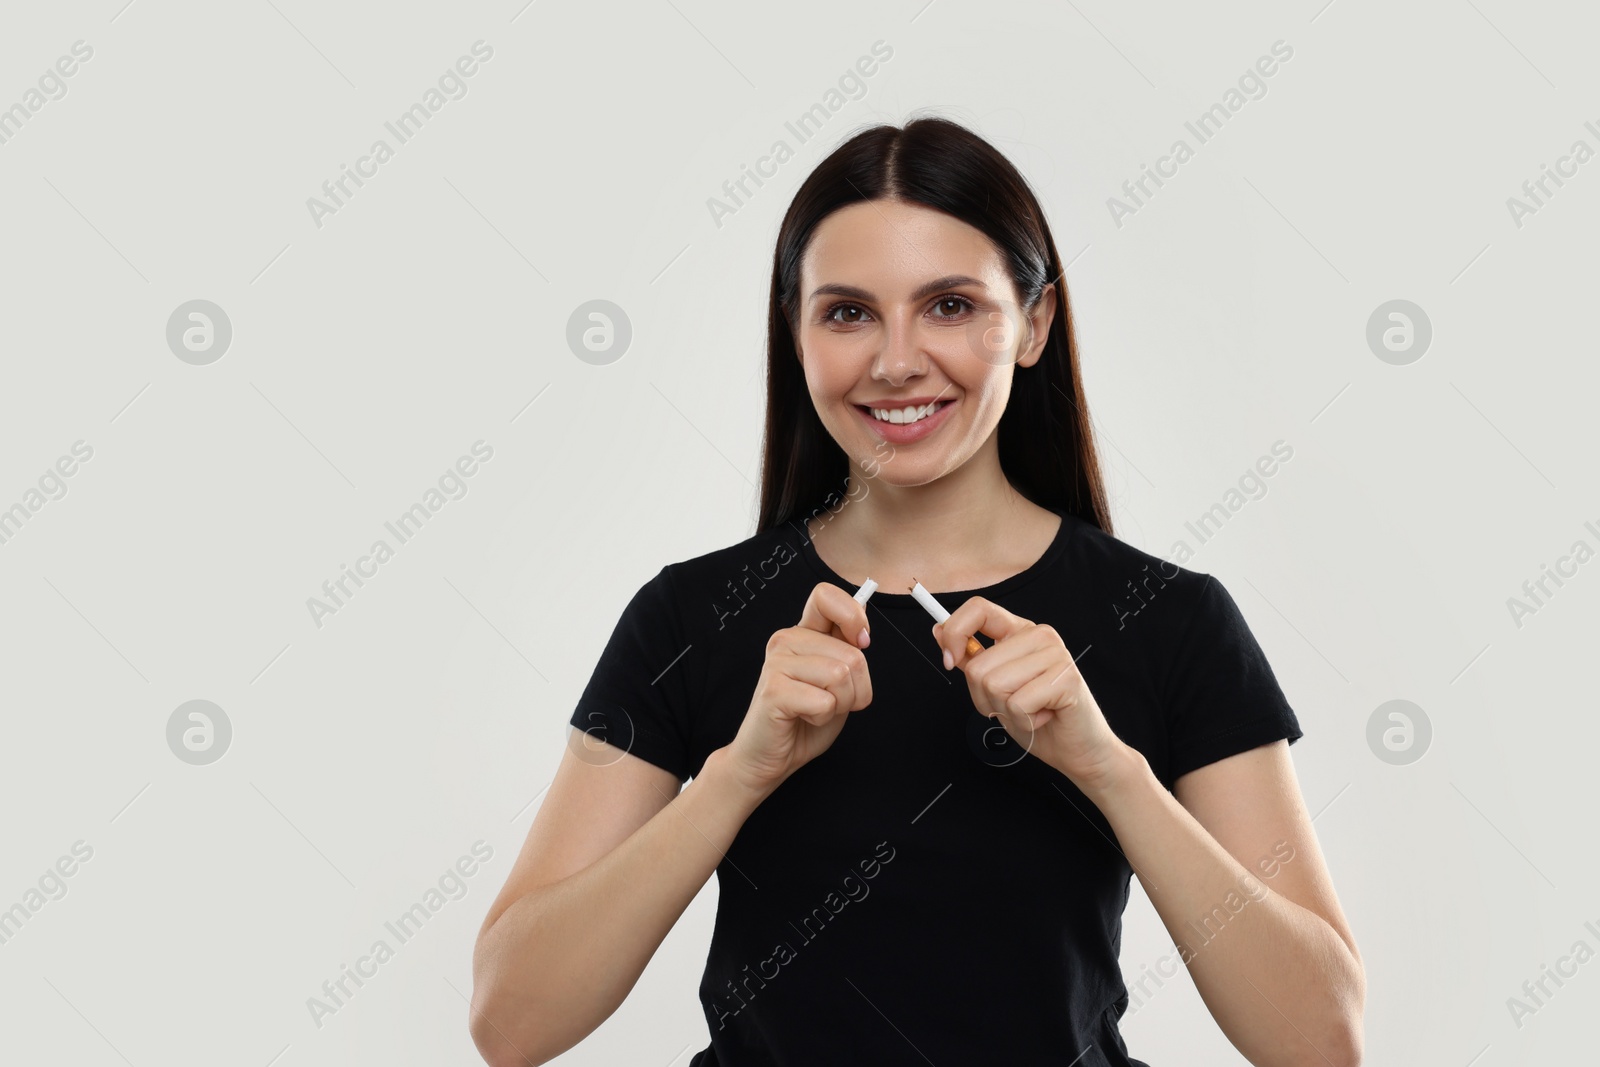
(1229, 857)
(1232, 866)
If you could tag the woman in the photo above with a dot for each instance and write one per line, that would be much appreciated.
(923, 853)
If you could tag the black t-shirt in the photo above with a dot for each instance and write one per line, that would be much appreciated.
(925, 888)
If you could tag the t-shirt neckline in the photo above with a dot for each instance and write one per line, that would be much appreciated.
(950, 598)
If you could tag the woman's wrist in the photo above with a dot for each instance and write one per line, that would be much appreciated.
(1124, 767)
(719, 767)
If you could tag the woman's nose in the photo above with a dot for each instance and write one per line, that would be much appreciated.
(901, 357)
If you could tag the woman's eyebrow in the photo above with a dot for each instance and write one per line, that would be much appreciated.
(949, 281)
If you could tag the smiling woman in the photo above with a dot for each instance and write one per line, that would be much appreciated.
(921, 364)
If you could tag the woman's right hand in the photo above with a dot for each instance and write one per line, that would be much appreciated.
(813, 678)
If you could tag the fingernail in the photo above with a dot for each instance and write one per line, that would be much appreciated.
(864, 639)
(949, 660)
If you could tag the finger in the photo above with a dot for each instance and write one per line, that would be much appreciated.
(977, 615)
(842, 675)
(799, 641)
(828, 607)
(1028, 638)
(994, 663)
(974, 646)
(1008, 680)
(801, 700)
(1011, 688)
(1047, 692)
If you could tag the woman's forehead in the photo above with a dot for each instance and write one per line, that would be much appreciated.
(891, 248)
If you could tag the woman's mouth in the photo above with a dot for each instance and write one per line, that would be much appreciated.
(913, 423)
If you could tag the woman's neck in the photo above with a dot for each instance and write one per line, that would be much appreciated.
(946, 541)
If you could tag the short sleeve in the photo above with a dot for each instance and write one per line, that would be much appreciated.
(1221, 697)
(638, 697)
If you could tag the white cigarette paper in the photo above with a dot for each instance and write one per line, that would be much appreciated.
(863, 594)
(933, 607)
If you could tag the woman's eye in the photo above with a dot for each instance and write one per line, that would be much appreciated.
(832, 314)
(948, 307)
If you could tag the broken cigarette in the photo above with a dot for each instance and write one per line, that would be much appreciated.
(936, 609)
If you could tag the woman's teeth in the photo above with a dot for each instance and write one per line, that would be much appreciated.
(905, 415)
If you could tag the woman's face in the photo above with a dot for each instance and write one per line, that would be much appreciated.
(902, 305)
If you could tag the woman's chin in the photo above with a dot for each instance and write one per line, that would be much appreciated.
(899, 474)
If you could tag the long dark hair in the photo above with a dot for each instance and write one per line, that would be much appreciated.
(1046, 440)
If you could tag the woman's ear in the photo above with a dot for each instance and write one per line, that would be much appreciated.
(1039, 320)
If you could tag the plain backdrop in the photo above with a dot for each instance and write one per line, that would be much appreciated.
(372, 747)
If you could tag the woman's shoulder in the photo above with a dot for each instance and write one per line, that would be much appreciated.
(762, 576)
(776, 546)
(1094, 553)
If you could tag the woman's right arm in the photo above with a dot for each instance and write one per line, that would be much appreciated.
(616, 852)
(611, 862)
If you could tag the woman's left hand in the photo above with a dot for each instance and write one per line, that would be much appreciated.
(1028, 681)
